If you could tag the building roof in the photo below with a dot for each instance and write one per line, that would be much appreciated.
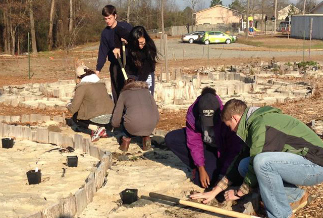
(317, 7)
(288, 6)
(217, 6)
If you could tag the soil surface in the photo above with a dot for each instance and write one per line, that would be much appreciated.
(18, 198)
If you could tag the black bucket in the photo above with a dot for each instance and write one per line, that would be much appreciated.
(7, 142)
(129, 196)
(72, 161)
(34, 177)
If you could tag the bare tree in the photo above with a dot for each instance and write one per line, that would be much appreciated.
(162, 17)
(304, 4)
(128, 10)
(276, 17)
(32, 27)
(71, 21)
(193, 3)
(51, 22)
(6, 41)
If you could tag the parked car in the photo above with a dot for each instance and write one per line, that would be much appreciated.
(217, 37)
(192, 37)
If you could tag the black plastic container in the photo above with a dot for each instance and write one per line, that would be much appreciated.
(7, 142)
(34, 177)
(129, 196)
(72, 161)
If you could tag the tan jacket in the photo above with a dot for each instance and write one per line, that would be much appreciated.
(91, 100)
(141, 113)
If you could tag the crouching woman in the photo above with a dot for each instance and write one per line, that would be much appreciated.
(91, 103)
(136, 109)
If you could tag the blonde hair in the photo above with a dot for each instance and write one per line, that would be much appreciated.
(233, 107)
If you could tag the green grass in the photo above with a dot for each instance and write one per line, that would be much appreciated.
(251, 42)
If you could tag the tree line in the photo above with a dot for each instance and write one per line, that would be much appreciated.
(63, 24)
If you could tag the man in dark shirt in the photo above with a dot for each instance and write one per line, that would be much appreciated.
(108, 48)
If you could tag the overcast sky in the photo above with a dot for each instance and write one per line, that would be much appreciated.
(206, 3)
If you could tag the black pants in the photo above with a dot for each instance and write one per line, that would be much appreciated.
(117, 80)
(83, 125)
(176, 142)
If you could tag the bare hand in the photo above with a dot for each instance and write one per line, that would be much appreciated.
(97, 72)
(208, 196)
(125, 41)
(204, 177)
(229, 195)
(116, 52)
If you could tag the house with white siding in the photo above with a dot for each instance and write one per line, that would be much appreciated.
(217, 14)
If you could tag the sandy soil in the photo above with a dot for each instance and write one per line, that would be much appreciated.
(18, 198)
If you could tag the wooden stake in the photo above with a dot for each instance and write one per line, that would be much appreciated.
(200, 206)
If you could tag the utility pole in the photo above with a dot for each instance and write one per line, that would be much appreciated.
(247, 22)
(275, 22)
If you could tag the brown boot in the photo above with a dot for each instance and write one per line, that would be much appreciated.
(146, 143)
(305, 199)
(125, 142)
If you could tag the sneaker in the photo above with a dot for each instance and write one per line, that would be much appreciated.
(95, 136)
(104, 134)
(305, 199)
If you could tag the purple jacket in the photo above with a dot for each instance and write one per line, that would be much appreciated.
(229, 144)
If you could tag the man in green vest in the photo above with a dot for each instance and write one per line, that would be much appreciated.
(281, 152)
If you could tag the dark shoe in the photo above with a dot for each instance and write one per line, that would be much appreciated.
(305, 199)
(125, 142)
(146, 143)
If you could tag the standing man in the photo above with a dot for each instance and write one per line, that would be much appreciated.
(108, 48)
(282, 152)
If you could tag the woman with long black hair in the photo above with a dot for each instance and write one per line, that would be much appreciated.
(142, 57)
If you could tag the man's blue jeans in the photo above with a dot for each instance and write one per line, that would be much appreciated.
(293, 193)
(278, 173)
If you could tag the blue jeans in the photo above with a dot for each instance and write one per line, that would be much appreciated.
(278, 173)
(292, 191)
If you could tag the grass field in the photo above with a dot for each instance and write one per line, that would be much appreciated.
(280, 42)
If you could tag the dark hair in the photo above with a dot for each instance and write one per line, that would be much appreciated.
(207, 89)
(87, 72)
(133, 46)
(109, 10)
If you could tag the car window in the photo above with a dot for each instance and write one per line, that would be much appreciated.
(218, 34)
(211, 33)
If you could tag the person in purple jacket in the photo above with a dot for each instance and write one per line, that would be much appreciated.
(206, 144)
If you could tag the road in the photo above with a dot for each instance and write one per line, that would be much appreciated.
(178, 50)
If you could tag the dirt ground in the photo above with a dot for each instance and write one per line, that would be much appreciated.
(52, 66)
